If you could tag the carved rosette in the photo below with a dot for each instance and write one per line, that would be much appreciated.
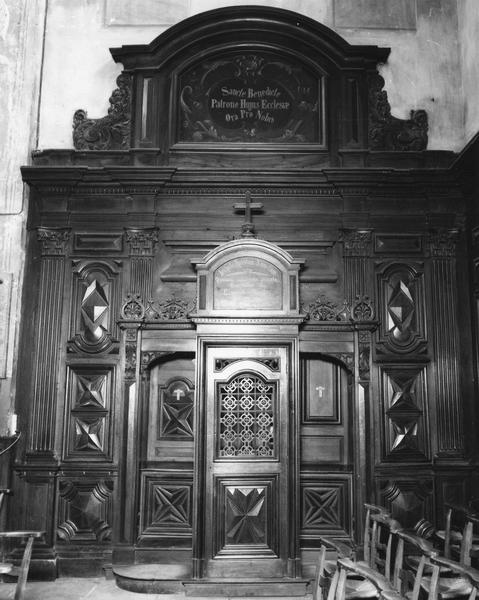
(390, 133)
(107, 133)
(132, 308)
(54, 242)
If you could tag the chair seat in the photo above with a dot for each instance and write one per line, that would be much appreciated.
(360, 588)
(413, 563)
(449, 587)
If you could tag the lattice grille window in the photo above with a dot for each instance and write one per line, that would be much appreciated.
(246, 417)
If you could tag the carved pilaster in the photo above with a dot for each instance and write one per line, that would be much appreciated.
(357, 249)
(142, 244)
(48, 341)
(444, 328)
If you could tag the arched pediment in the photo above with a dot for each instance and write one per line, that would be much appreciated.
(248, 278)
(274, 27)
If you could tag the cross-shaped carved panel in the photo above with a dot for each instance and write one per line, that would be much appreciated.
(171, 505)
(176, 410)
(320, 507)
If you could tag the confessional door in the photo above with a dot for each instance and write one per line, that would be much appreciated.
(247, 475)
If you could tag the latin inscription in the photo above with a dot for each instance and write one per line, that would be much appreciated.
(248, 283)
(250, 98)
(265, 105)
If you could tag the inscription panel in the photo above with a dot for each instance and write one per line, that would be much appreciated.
(248, 283)
(257, 97)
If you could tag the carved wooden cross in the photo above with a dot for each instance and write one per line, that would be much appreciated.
(247, 229)
(178, 393)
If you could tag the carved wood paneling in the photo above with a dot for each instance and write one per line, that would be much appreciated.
(96, 293)
(405, 414)
(246, 509)
(176, 410)
(325, 507)
(402, 328)
(48, 340)
(88, 419)
(85, 510)
(409, 500)
(166, 508)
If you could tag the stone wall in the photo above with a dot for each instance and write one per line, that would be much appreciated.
(468, 27)
(21, 37)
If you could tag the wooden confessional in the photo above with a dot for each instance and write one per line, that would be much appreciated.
(242, 313)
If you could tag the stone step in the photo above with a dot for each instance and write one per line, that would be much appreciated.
(251, 588)
(176, 578)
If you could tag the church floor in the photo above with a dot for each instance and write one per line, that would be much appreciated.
(70, 588)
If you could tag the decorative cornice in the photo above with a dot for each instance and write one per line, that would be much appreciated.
(53, 241)
(142, 241)
(390, 133)
(107, 133)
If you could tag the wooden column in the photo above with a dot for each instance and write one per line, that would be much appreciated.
(357, 250)
(444, 331)
(142, 243)
(47, 343)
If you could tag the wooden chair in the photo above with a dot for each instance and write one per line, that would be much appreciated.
(8, 567)
(376, 561)
(409, 582)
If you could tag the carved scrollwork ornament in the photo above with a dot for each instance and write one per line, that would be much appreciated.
(323, 309)
(107, 133)
(53, 241)
(132, 308)
(362, 309)
(171, 309)
(390, 133)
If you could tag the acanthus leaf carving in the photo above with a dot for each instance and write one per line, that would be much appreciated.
(53, 241)
(362, 309)
(390, 133)
(111, 132)
(142, 241)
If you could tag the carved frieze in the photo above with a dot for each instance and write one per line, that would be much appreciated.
(390, 133)
(107, 133)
